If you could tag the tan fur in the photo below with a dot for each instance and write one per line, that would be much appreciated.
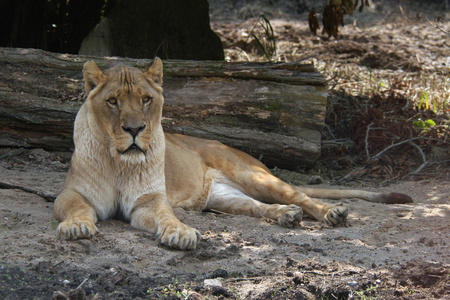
(125, 166)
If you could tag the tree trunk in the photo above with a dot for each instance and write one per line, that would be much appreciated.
(273, 111)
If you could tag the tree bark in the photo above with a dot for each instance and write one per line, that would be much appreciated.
(273, 111)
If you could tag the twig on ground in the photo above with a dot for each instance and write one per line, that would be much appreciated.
(81, 284)
(297, 62)
(329, 131)
(352, 173)
(58, 263)
(423, 166)
(424, 158)
(404, 142)
(366, 140)
(12, 153)
(50, 197)
(436, 24)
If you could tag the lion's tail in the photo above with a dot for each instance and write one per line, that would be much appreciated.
(388, 198)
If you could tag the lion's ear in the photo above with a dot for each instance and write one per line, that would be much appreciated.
(92, 75)
(155, 71)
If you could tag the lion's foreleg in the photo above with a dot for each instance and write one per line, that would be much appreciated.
(152, 212)
(76, 215)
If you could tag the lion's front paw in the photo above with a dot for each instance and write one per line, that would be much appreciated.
(178, 235)
(76, 228)
(336, 215)
(290, 216)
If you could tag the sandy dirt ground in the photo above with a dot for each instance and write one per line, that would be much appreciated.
(401, 249)
(388, 251)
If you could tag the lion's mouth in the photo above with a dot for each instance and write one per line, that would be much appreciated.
(133, 148)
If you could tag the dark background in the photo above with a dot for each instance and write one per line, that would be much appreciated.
(175, 29)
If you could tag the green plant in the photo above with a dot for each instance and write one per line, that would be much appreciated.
(362, 294)
(423, 98)
(320, 172)
(180, 295)
(425, 103)
(268, 43)
(420, 124)
(442, 107)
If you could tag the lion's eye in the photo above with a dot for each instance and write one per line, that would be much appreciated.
(112, 101)
(147, 100)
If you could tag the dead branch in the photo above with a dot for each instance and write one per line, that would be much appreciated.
(424, 158)
(353, 173)
(367, 141)
(50, 197)
(436, 24)
(404, 142)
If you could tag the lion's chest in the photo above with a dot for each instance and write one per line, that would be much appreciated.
(119, 201)
(113, 184)
(132, 185)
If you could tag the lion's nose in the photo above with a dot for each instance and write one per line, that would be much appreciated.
(134, 131)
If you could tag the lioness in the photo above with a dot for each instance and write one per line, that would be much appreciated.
(124, 165)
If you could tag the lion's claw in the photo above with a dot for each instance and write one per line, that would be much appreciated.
(76, 228)
(179, 236)
(336, 215)
(290, 216)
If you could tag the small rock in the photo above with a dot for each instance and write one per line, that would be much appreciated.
(290, 262)
(306, 246)
(315, 179)
(220, 273)
(277, 239)
(194, 296)
(212, 282)
(352, 283)
(125, 260)
(78, 294)
(220, 291)
(298, 280)
(58, 295)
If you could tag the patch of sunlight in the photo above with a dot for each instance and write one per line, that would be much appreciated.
(439, 210)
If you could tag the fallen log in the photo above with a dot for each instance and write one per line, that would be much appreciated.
(272, 111)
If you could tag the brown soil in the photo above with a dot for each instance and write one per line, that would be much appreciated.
(399, 250)
(389, 251)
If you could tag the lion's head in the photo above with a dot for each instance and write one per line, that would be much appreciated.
(126, 106)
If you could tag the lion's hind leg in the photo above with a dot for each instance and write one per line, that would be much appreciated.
(270, 189)
(227, 198)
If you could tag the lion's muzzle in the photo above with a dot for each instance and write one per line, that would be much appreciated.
(133, 148)
(134, 131)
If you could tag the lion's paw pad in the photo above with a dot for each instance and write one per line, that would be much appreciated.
(290, 216)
